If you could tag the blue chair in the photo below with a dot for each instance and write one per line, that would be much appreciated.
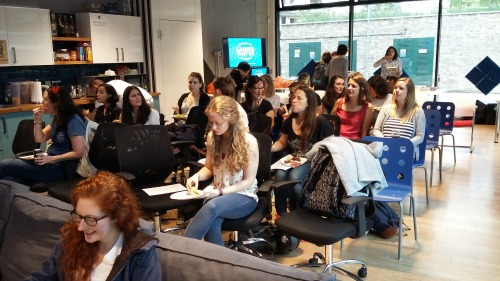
(447, 110)
(433, 120)
(420, 163)
(397, 163)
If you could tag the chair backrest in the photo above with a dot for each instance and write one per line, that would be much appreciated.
(433, 121)
(447, 110)
(396, 161)
(265, 143)
(263, 124)
(334, 120)
(197, 116)
(24, 140)
(421, 150)
(102, 152)
(145, 152)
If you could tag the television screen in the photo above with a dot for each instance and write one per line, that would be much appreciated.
(251, 50)
(259, 71)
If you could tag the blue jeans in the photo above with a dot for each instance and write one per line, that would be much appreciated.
(19, 170)
(292, 194)
(207, 222)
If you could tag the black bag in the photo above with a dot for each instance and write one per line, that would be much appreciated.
(323, 191)
(319, 79)
(385, 220)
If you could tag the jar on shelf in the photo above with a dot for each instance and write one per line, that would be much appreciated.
(62, 55)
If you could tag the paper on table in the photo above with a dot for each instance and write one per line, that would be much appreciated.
(164, 189)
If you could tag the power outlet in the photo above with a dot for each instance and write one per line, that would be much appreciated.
(218, 53)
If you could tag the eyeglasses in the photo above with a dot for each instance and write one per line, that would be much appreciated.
(90, 221)
(258, 89)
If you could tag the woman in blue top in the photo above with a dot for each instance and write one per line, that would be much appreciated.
(66, 133)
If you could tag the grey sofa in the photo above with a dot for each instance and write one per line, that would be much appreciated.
(29, 228)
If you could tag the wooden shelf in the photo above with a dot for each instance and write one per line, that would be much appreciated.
(71, 62)
(74, 39)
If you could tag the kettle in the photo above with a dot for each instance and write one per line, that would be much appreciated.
(37, 93)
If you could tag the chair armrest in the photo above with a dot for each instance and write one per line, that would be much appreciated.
(126, 175)
(360, 202)
(179, 143)
(281, 184)
(266, 186)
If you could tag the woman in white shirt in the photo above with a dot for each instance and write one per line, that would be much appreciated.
(232, 160)
(135, 110)
(390, 63)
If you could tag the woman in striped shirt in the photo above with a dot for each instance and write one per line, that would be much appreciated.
(403, 118)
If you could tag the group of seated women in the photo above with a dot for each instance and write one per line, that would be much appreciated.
(232, 153)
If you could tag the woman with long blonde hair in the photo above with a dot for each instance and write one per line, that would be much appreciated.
(232, 160)
(404, 117)
(102, 241)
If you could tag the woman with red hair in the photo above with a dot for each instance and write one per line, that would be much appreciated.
(102, 240)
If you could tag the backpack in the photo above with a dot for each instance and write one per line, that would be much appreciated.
(318, 78)
(385, 220)
(323, 191)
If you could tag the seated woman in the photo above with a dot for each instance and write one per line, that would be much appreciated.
(109, 111)
(379, 92)
(403, 118)
(254, 103)
(354, 109)
(102, 241)
(300, 131)
(269, 92)
(67, 134)
(135, 110)
(334, 91)
(195, 97)
(232, 161)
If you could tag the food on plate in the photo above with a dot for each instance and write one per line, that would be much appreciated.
(292, 161)
(180, 116)
(193, 191)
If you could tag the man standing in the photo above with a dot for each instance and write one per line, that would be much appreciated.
(239, 74)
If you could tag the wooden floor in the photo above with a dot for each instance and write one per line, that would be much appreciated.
(458, 232)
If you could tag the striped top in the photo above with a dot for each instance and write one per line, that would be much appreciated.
(393, 128)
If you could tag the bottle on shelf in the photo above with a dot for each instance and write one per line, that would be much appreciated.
(71, 27)
(61, 29)
(65, 26)
(53, 24)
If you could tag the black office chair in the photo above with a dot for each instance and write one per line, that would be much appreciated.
(24, 140)
(263, 125)
(103, 155)
(264, 206)
(334, 120)
(321, 230)
(146, 159)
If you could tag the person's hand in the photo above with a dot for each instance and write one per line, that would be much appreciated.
(192, 183)
(387, 57)
(42, 159)
(210, 192)
(37, 114)
(176, 109)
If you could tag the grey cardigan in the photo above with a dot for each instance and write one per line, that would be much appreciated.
(418, 119)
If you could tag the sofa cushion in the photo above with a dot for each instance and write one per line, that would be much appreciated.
(189, 259)
(31, 233)
(7, 191)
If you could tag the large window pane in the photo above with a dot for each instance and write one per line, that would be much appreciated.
(287, 3)
(305, 35)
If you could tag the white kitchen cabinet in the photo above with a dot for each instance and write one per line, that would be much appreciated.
(115, 38)
(27, 31)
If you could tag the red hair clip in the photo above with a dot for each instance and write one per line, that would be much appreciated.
(55, 90)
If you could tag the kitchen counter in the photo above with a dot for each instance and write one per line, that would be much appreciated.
(30, 107)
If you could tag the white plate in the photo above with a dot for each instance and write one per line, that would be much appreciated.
(27, 157)
(293, 164)
(182, 195)
(179, 118)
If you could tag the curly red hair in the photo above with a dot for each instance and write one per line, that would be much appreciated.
(116, 199)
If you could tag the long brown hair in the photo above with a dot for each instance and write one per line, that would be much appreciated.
(310, 117)
(237, 158)
(127, 110)
(410, 105)
(115, 198)
(364, 91)
(330, 95)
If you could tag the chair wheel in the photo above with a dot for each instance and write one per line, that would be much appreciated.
(363, 272)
